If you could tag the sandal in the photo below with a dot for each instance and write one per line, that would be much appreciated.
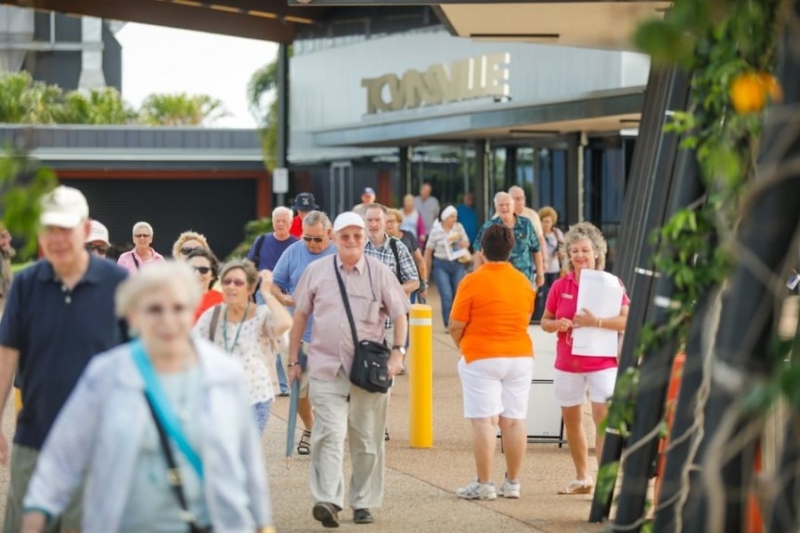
(304, 446)
(578, 486)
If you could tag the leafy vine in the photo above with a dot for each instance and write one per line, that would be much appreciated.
(728, 46)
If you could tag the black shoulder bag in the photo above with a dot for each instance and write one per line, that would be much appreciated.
(370, 369)
(174, 475)
(393, 246)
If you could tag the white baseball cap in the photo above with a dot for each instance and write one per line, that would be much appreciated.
(98, 232)
(347, 219)
(64, 207)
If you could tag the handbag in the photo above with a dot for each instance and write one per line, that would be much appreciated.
(466, 258)
(370, 370)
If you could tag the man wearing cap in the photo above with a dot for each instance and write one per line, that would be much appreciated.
(304, 203)
(342, 410)
(367, 199)
(60, 313)
(97, 241)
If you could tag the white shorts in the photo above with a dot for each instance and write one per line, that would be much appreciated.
(570, 387)
(496, 386)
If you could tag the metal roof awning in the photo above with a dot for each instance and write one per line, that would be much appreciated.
(587, 23)
(269, 20)
(595, 112)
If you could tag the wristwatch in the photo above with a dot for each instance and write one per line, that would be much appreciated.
(401, 349)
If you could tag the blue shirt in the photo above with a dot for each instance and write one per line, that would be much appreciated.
(525, 244)
(469, 219)
(57, 332)
(270, 251)
(290, 268)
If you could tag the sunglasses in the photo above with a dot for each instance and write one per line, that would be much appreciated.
(99, 248)
(142, 235)
(189, 249)
(314, 239)
(161, 310)
(236, 282)
(203, 270)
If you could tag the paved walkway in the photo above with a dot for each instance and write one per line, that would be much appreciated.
(420, 482)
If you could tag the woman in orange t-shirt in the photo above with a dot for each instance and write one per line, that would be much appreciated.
(489, 324)
(206, 265)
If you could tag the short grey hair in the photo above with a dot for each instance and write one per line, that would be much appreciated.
(157, 276)
(317, 217)
(280, 210)
(586, 230)
(371, 207)
(515, 188)
(501, 196)
(142, 224)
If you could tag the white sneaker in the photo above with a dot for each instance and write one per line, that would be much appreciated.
(510, 489)
(477, 491)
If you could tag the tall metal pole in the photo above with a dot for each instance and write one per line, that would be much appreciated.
(645, 205)
(283, 113)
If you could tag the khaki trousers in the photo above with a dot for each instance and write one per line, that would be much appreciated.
(23, 465)
(341, 411)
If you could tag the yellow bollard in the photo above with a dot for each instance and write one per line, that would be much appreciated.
(420, 377)
(17, 400)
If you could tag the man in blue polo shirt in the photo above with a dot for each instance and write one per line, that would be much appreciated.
(316, 244)
(60, 313)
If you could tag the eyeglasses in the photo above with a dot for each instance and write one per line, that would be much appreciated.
(142, 235)
(236, 282)
(99, 248)
(314, 239)
(161, 310)
(189, 249)
(203, 270)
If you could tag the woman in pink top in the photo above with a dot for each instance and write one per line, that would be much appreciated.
(142, 252)
(585, 250)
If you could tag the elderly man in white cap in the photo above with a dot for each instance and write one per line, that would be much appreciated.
(59, 314)
(97, 242)
(343, 410)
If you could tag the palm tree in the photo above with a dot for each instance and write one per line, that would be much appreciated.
(262, 82)
(181, 109)
(25, 101)
(98, 107)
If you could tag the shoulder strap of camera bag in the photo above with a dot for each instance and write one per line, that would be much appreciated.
(393, 246)
(346, 302)
(257, 250)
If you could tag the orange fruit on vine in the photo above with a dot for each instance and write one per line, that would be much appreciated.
(771, 86)
(751, 90)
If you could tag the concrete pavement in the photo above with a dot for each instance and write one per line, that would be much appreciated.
(420, 482)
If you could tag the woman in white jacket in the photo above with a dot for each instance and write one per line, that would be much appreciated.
(161, 427)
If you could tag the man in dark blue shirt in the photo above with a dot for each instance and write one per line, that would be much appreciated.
(59, 314)
(266, 251)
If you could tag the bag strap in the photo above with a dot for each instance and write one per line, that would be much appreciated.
(257, 250)
(346, 302)
(156, 396)
(173, 472)
(393, 246)
(135, 262)
(214, 322)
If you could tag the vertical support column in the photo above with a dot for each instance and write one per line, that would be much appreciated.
(283, 112)
(510, 170)
(481, 179)
(406, 155)
(574, 178)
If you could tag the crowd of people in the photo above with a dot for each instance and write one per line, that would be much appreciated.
(195, 351)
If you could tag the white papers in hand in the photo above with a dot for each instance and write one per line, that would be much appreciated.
(601, 294)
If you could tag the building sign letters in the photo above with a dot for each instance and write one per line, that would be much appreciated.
(476, 77)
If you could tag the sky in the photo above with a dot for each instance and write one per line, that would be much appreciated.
(165, 60)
